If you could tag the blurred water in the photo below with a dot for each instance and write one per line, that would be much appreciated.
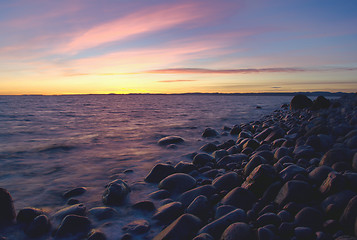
(50, 144)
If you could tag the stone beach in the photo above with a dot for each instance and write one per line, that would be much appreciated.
(290, 175)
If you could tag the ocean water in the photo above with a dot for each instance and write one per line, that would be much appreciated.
(51, 144)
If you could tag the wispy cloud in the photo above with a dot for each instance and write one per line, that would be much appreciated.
(175, 81)
(152, 19)
(245, 70)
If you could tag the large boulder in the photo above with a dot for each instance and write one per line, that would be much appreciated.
(295, 191)
(73, 225)
(336, 155)
(320, 102)
(238, 231)
(170, 140)
(185, 227)
(38, 227)
(240, 197)
(349, 216)
(115, 193)
(159, 172)
(309, 217)
(77, 209)
(27, 215)
(199, 207)
(178, 182)
(209, 132)
(300, 101)
(187, 197)
(168, 212)
(227, 181)
(7, 210)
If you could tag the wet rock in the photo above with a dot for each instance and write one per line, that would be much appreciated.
(253, 163)
(73, 225)
(185, 227)
(260, 179)
(319, 174)
(219, 154)
(223, 210)
(233, 158)
(168, 212)
(338, 201)
(320, 102)
(227, 181)
(170, 140)
(27, 215)
(187, 197)
(236, 129)
(115, 193)
(97, 235)
(210, 132)
(202, 159)
(285, 216)
(238, 231)
(159, 172)
(268, 218)
(336, 155)
(7, 210)
(349, 216)
(38, 227)
(297, 191)
(262, 135)
(333, 183)
(271, 192)
(217, 227)
(240, 197)
(265, 234)
(281, 152)
(208, 147)
(266, 154)
(304, 233)
(309, 217)
(203, 236)
(74, 192)
(145, 205)
(199, 207)
(177, 182)
(244, 134)
(304, 151)
(184, 167)
(275, 134)
(138, 226)
(286, 230)
(72, 201)
(160, 194)
(300, 101)
(77, 209)
(354, 162)
(251, 143)
(288, 173)
(101, 213)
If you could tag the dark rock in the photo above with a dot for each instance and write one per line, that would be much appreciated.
(275, 134)
(253, 163)
(209, 148)
(217, 227)
(268, 218)
(160, 194)
(145, 205)
(304, 151)
(247, 151)
(285, 216)
(187, 197)
(202, 159)
(286, 230)
(271, 192)
(220, 154)
(127, 236)
(244, 134)
(7, 210)
(210, 173)
(234, 150)
(300, 101)
(251, 143)
(38, 227)
(72, 201)
(97, 235)
(74, 192)
(185, 227)
(235, 130)
(331, 226)
(265, 234)
(227, 181)
(265, 133)
(339, 201)
(336, 155)
(27, 215)
(297, 191)
(352, 142)
(210, 132)
(319, 174)
(238, 231)
(159, 172)
(168, 212)
(73, 225)
(304, 233)
(288, 173)
(354, 162)
(341, 166)
(309, 217)
(333, 183)
(260, 179)
(278, 143)
(203, 236)
(101, 213)
(183, 167)
(281, 152)
(240, 197)
(266, 154)
(177, 182)
(323, 236)
(170, 140)
(351, 178)
(223, 210)
(320, 102)
(137, 226)
(115, 193)
(349, 216)
(78, 209)
(199, 207)
(234, 158)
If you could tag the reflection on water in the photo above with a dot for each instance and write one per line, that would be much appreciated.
(50, 144)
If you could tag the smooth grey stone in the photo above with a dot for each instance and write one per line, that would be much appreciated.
(202, 159)
(184, 167)
(145, 205)
(97, 235)
(223, 210)
(319, 174)
(289, 172)
(268, 218)
(168, 212)
(336, 155)
(170, 140)
(187, 197)
(177, 182)
(281, 152)
(74, 192)
(338, 200)
(333, 183)
(304, 233)
(227, 181)
(209, 132)
(203, 236)
(253, 163)
(240, 197)
(296, 191)
(73, 225)
(77, 209)
(160, 194)
(349, 216)
(101, 213)
(7, 210)
(238, 231)
(220, 154)
(266, 154)
(304, 151)
(159, 172)
(115, 193)
(185, 227)
(199, 207)
(208, 147)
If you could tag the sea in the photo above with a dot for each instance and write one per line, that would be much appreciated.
(52, 144)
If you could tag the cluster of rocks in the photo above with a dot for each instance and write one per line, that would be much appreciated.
(291, 175)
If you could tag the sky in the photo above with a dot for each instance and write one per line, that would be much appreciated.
(165, 46)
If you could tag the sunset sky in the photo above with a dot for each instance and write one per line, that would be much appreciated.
(163, 46)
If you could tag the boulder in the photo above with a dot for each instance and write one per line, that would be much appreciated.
(208, 147)
(115, 193)
(187, 197)
(139, 226)
(77, 209)
(338, 201)
(336, 155)
(233, 158)
(145, 205)
(159, 172)
(73, 225)
(203, 236)
(281, 152)
(38, 227)
(227, 181)
(185, 227)
(199, 207)
(168, 212)
(27, 215)
(223, 210)
(309, 217)
(349, 216)
(97, 235)
(7, 210)
(304, 151)
(333, 183)
(238, 231)
(170, 140)
(300, 101)
(295, 191)
(209, 132)
(202, 159)
(289, 172)
(268, 218)
(74, 192)
(253, 163)
(101, 213)
(178, 182)
(320, 102)
(183, 167)
(319, 174)
(240, 198)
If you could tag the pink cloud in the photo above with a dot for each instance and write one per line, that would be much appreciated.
(175, 81)
(144, 21)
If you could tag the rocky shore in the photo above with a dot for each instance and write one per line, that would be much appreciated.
(290, 175)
